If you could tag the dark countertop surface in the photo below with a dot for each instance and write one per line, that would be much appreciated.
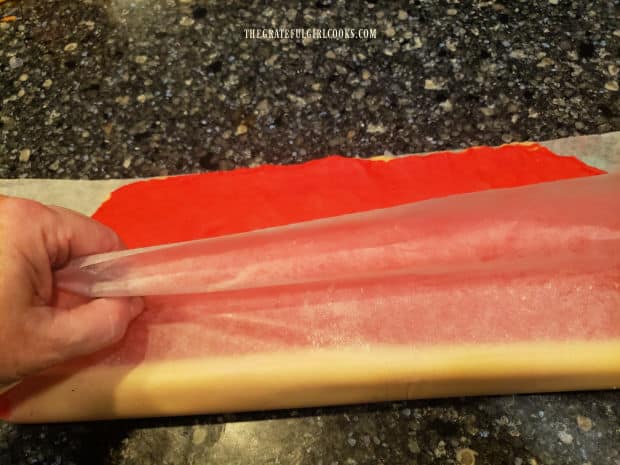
(557, 429)
(118, 88)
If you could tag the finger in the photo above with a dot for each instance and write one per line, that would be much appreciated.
(65, 299)
(94, 325)
(67, 333)
(72, 234)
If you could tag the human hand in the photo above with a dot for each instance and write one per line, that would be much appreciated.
(40, 325)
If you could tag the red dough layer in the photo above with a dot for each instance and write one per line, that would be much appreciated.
(213, 204)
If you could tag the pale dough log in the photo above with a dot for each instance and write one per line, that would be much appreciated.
(320, 377)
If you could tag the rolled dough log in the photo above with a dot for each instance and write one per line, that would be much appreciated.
(546, 319)
(523, 326)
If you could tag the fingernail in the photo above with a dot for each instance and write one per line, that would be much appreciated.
(136, 306)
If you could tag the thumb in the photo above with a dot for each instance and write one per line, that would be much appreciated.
(62, 334)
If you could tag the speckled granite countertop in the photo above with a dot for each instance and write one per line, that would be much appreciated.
(117, 88)
(114, 88)
(521, 430)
